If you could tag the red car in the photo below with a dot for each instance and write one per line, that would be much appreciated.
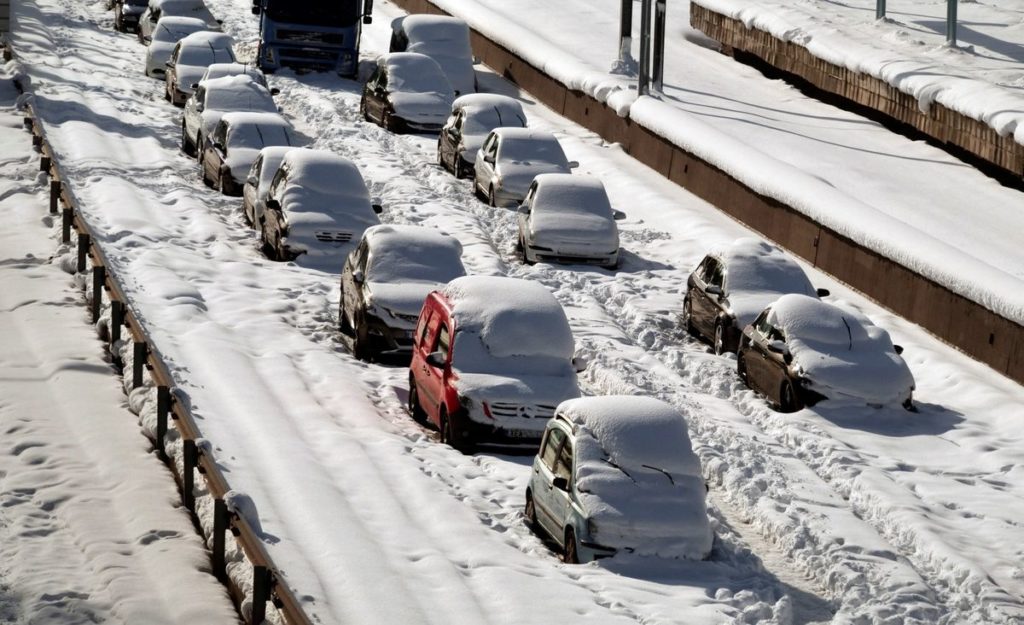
(492, 358)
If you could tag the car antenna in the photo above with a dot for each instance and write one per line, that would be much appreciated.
(849, 334)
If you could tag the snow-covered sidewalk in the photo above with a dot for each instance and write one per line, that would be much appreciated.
(91, 530)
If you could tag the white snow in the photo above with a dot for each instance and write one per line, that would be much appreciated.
(444, 39)
(570, 210)
(196, 52)
(757, 273)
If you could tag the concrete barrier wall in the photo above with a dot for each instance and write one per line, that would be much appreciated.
(5, 17)
(962, 323)
(940, 123)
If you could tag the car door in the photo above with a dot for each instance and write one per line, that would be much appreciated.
(252, 183)
(193, 108)
(171, 77)
(756, 355)
(561, 498)
(485, 162)
(450, 139)
(351, 287)
(375, 90)
(705, 304)
(216, 152)
(525, 213)
(543, 496)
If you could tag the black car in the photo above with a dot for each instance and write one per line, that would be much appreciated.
(407, 92)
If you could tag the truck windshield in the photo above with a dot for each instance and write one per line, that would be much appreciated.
(336, 13)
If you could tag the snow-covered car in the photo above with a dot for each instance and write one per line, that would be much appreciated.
(801, 350)
(568, 219)
(492, 357)
(257, 183)
(615, 474)
(159, 9)
(167, 33)
(222, 70)
(213, 99)
(189, 60)
(385, 281)
(318, 206)
(236, 141)
(407, 92)
(127, 14)
(444, 39)
(732, 285)
(473, 117)
(509, 161)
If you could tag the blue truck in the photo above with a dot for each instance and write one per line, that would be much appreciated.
(318, 35)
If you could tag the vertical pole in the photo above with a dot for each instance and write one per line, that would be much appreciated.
(99, 281)
(83, 250)
(626, 34)
(658, 70)
(879, 9)
(163, 408)
(951, 22)
(220, 528)
(54, 196)
(188, 475)
(645, 47)
(260, 593)
(44, 163)
(116, 321)
(68, 218)
(139, 362)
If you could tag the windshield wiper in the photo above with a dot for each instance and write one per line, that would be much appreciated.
(849, 333)
(624, 472)
(667, 474)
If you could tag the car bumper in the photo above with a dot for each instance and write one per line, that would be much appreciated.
(547, 255)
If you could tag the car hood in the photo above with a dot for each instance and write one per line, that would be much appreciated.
(404, 298)
(875, 377)
(322, 237)
(574, 231)
(421, 108)
(647, 512)
(531, 390)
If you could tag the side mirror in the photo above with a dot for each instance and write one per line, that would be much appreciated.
(899, 349)
(358, 276)
(194, 86)
(436, 359)
(560, 483)
(255, 10)
(377, 208)
(275, 91)
(714, 289)
(618, 215)
(823, 292)
(273, 204)
(367, 19)
(574, 164)
(580, 363)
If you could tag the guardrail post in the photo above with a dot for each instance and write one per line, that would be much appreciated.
(37, 141)
(190, 459)
(644, 78)
(99, 282)
(951, 22)
(54, 196)
(261, 584)
(28, 123)
(879, 9)
(139, 363)
(116, 321)
(220, 528)
(83, 250)
(44, 163)
(68, 219)
(658, 58)
(163, 408)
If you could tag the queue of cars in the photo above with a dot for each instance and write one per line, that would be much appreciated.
(492, 360)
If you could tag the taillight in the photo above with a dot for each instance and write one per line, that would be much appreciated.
(487, 410)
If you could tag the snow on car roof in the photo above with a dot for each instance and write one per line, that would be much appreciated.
(422, 27)
(635, 431)
(237, 93)
(412, 72)
(400, 253)
(756, 265)
(221, 70)
(513, 317)
(182, 23)
(807, 319)
(502, 103)
(208, 38)
(568, 193)
(325, 172)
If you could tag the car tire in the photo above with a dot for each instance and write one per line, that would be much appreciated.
(490, 197)
(571, 554)
(530, 512)
(363, 112)
(522, 251)
(462, 168)
(199, 148)
(787, 398)
(268, 250)
(187, 146)
(450, 434)
(718, 341)
(440, 157)
(741, 368)
(387, 120)
(361, 341)
(419, 415)
(222, 184)
(206, 179)
(687, 321)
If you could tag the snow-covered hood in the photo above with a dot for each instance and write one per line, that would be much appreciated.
(564, 232)
(873, 377)
(522, 389)
(318, 234)
(421, 108)
(402, 298)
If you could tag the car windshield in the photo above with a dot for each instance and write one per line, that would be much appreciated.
(576, 199)
(176, 32)
(485, 119)
(336, 13)
(416, 77)
(412, 261)
(258, 135)
(246, 98)
(204, 55)
(532, 150)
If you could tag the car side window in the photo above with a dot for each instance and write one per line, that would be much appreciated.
(493, 150)
(362, 252)
(220, 135)
(552, 445)
(174, 55)
(564, 466)
(254, 173)
(529, 194)
(421, 331)
(382, 79)
(712, 274)
(443, 341)
(277, 184)
(460, 119)
(766, 329)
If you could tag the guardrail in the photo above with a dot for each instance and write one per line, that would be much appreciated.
(267, 583)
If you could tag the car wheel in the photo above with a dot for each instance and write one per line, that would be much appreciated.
(687, 321)
(787, 398)
(572, 555)
(719, 342)
(531, 513)
(222, 184)
(462, 168)
(388, 121)
(415, 409)
(440, 157)
(363, 111)
(199, 148)
(361, 341)
(741, 368)
(187, 146)
(268, 250)
(450, 433)
(490, 196)
(206, 179)
(522, 251)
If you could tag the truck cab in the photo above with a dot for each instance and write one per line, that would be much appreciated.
(317, 35)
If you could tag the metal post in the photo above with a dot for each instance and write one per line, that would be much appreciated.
(99, 281)
(163, 408)
(645, 47)
(139, 362)
(658, 69)
(54, 196)
(116, 321)
(190, 459)
(220, 528)
(83, 250)
(951, 22)
(260, 593)
(44, 163)
(67, 220)
(879, 9)
(625, 64)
